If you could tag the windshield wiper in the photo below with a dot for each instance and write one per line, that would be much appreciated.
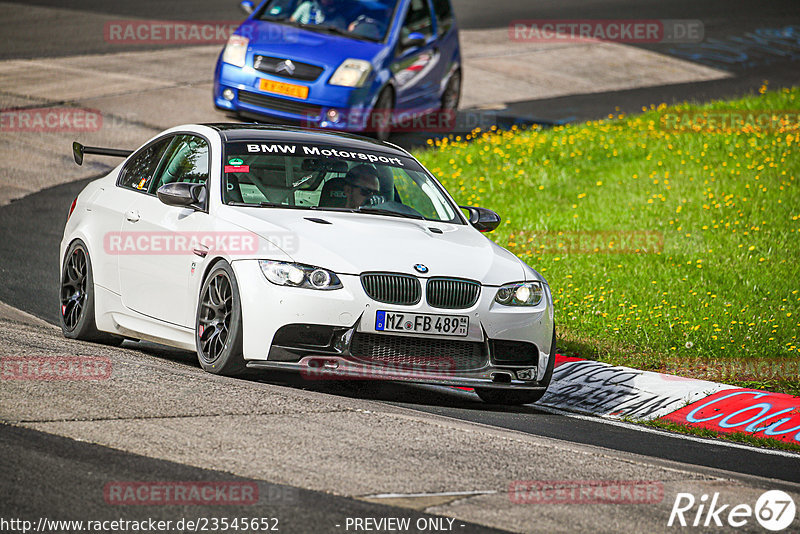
(362, 209)
(267, 205)
(316, 27)
(379, 211)
(331, 29)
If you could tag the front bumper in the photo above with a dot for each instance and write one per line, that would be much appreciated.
(352, 104)
(346, 369)
(347, 317)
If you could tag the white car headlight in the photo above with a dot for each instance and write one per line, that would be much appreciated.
(236, 50)
(351, 73)
(298, 275)
(520, 294)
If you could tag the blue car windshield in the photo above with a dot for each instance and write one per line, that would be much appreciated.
(359, 19)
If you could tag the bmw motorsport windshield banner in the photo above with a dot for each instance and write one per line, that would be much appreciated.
(256, 148)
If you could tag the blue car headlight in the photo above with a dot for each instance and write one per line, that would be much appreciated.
(235, 51)
(298, 275)
(351, 73)
(520, 294)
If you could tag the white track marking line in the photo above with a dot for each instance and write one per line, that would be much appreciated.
(434, 494)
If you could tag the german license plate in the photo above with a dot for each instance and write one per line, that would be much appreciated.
(421, 323)
(280, 88)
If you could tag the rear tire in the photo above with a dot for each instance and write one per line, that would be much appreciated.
(510, 397)
(218, 323)
(449, 103)
(77, 298)
(452, 94)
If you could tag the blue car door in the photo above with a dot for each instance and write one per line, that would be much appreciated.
(446, 35)
(418, 69)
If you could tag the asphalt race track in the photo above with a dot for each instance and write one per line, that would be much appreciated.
(45, 473)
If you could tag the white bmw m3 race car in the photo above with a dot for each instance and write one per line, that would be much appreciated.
(273, 248)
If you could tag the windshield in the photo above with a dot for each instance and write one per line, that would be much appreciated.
(361, 19)
(258, 173)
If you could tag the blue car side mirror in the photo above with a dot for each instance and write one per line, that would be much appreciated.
(247, 6)
(413, 40)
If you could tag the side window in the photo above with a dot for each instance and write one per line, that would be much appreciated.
(418, 19)
(185, 160)
(412, 193)
(444, 15)
(138, 172)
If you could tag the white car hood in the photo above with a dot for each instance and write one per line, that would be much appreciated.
(352, 243)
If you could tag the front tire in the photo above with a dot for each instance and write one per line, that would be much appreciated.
(510, 397)
(78, 299)
(218, 324)
(380, 119)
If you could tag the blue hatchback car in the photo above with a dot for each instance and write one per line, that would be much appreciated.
(354, 65)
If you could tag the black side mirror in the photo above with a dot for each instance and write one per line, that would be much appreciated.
(183, 195)
(412, 40)
(247, 6)
(482, 219)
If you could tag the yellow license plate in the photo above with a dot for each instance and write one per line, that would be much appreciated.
(280, 88)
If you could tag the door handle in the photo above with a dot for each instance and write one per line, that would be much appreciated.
(200, 250)
(132, 216)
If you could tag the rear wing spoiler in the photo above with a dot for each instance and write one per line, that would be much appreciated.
(78, 150)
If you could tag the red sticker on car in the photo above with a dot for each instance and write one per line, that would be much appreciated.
(237, 168)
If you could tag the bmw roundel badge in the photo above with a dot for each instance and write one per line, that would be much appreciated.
(420, 268)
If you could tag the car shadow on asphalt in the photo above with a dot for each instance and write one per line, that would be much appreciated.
(429, 396)
(423, 395)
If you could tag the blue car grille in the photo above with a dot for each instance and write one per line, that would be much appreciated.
(280, 104)
(294, 70)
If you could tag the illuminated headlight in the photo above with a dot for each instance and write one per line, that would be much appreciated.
(299, 275)
(351, 73)
(520, 294)
(236, 50)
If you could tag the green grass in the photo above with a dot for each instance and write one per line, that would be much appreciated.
(717, 280)
(739, 437)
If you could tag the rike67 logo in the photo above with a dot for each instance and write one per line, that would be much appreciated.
(774, 510)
